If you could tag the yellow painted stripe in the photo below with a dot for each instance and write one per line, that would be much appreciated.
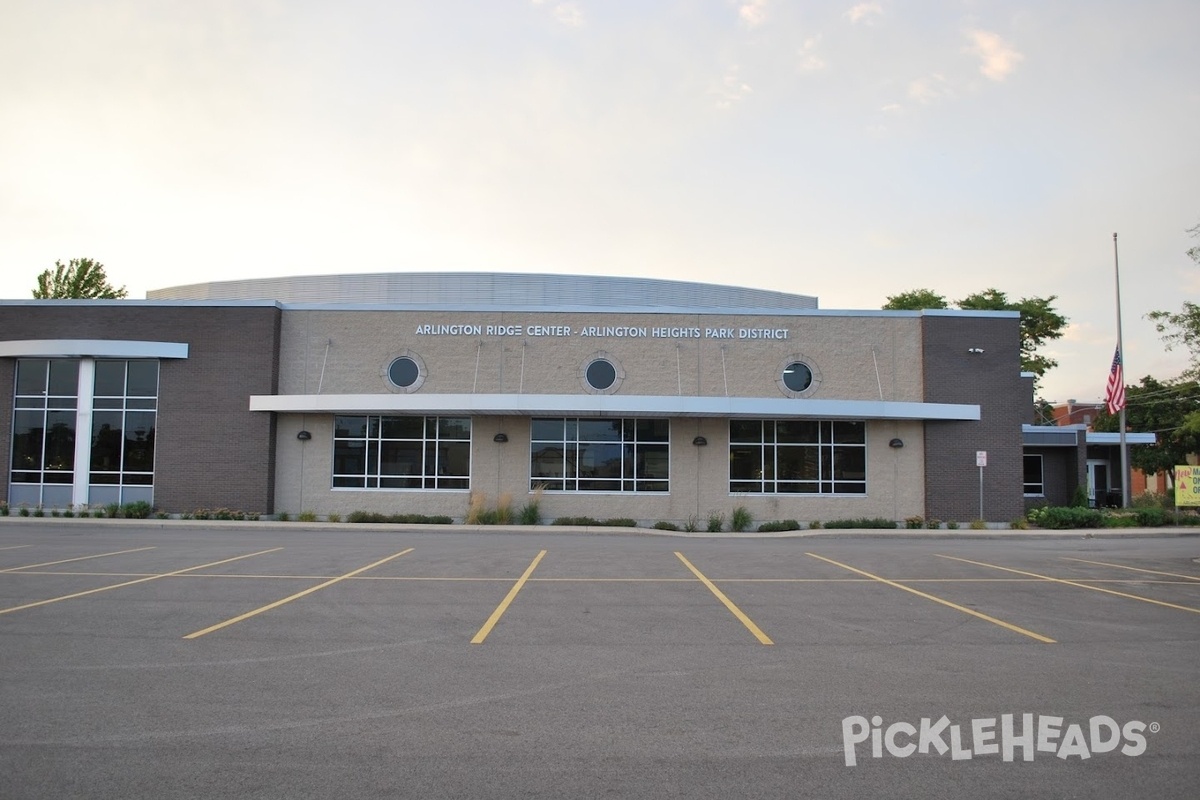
(733, 609)
(508, 598)
(131, 583)
(1074, 583)
(290, 598)
(947, 603)
(1134, 569)
(80, 558)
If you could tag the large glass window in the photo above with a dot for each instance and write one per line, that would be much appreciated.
(1034, 478)
(600, 455)
(124, 418)
(797, 457)
(42, 467)
(377, 452)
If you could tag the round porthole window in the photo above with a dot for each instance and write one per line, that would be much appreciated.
(601, 375)
(405, 372)
(797, 377)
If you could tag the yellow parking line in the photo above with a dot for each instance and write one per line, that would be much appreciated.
(1074, 583)
(947, 603)
(131, 583)
(737, 612)
(80, 558)
(1134, 569)
(290, 598)
(508, 598)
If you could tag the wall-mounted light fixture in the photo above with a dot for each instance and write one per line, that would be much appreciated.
(975, 350)
(304, 436)
(896, 443)
(700, 441)
(500, 437)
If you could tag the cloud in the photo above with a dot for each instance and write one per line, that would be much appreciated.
(929, 90)
(997, 58)
(730, 90)
(809, 61)
(865, 13)
(752, 13)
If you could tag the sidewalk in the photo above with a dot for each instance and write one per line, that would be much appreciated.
(604, 530)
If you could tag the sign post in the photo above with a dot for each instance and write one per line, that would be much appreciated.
(981, 462)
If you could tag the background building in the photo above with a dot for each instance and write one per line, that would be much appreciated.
(656, 400)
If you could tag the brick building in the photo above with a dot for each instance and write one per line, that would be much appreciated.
(395, 393)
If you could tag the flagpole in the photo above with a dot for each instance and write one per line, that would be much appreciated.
(1121, 350)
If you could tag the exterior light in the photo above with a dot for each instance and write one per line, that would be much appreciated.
(500, 437)
(304, 436)
(896, 443)
(699, 441)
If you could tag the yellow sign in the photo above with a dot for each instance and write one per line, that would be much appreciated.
(1187, 486)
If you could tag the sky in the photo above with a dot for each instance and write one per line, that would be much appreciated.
(847, 150)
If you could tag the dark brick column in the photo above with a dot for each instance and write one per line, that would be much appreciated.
(992, 380)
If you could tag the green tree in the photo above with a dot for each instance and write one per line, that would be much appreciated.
(916, 300)
(79, 279)
(1170, 410)
(1040, 322)
(1182, 329)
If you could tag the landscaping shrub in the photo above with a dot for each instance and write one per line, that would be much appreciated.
(282, 516)
(716, 521)
(476, 506)
(112, 510)
(504, 512)
(619, 522)
(862, 522)
(531, 512)
(692, 525)
(582, 521)
(741, 519)
(1152, 517)
(815, 524)
(663, 525)
(3, 509)
(952, 525)
(779, 525)
(306, 516)
(138, 509)
(408, 519)
(1066, 517)
(334, 517)
(978, 525)
(1119, 521)
(39, 512)
(1019, 524)
(912, 523)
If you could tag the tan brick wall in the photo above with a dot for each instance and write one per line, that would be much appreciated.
(844, 350)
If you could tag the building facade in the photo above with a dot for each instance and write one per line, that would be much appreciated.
(655, 400)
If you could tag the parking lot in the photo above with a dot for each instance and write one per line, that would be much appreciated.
(148, 661)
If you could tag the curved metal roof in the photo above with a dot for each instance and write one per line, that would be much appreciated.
(456, 290)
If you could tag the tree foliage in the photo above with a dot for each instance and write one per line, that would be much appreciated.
(79, 279)
(1040, 322)
(916, 300)
(1182, 328)
(1171, 411)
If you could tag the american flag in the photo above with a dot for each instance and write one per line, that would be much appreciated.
(1114, 395)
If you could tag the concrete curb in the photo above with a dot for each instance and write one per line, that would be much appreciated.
(601, 530)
